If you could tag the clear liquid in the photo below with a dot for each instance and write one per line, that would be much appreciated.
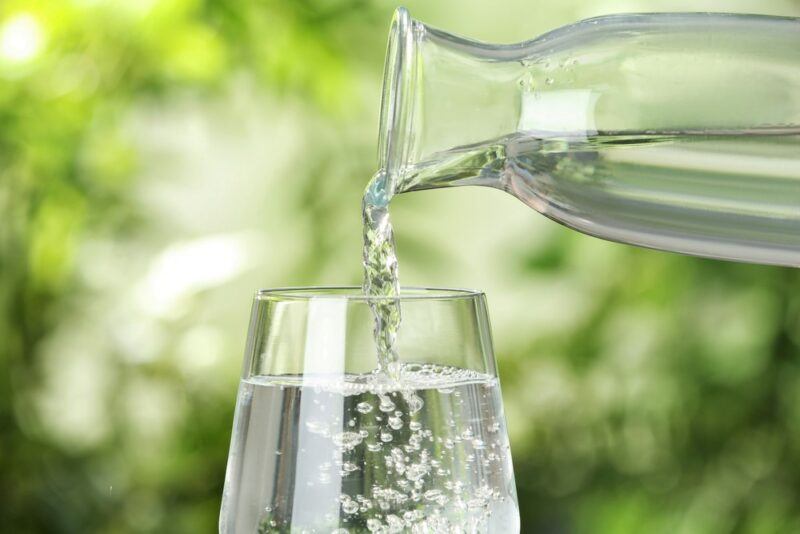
(380, 271)
(364, 455)
(725, 194)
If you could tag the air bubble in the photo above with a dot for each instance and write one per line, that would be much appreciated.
(395, 423)
(394, 523)
(364, 407)
(347, 440)
(412, 516)
(349, 467)
(417, 471)
(432, 495)
(386, 404)
(349, 506)
(415, 403)
(397, 456)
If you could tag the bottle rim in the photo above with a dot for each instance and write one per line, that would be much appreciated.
(397, 95)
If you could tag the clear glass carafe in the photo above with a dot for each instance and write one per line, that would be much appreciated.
(676, 131)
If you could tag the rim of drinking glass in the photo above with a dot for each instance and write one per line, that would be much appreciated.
(355, 293)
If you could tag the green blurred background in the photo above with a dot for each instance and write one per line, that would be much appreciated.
(162, 159)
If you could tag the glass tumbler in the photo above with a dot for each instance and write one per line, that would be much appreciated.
(322, 442)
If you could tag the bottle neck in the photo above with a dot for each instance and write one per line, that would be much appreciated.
(441, 91)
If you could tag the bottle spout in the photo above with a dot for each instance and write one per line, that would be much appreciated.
(441, 91)
(397, 99)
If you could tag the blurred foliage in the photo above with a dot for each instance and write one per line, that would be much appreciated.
(159, 159)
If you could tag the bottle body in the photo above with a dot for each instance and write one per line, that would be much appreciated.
(679, 132)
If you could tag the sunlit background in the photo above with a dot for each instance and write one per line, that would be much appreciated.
(162, 159)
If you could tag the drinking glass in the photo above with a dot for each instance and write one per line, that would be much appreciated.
(322, 442)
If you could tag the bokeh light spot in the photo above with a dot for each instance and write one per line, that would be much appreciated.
(21, 38)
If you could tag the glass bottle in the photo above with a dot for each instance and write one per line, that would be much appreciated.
(674, 131)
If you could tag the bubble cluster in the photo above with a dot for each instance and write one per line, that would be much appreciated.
(347, 440)
(428, 457)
